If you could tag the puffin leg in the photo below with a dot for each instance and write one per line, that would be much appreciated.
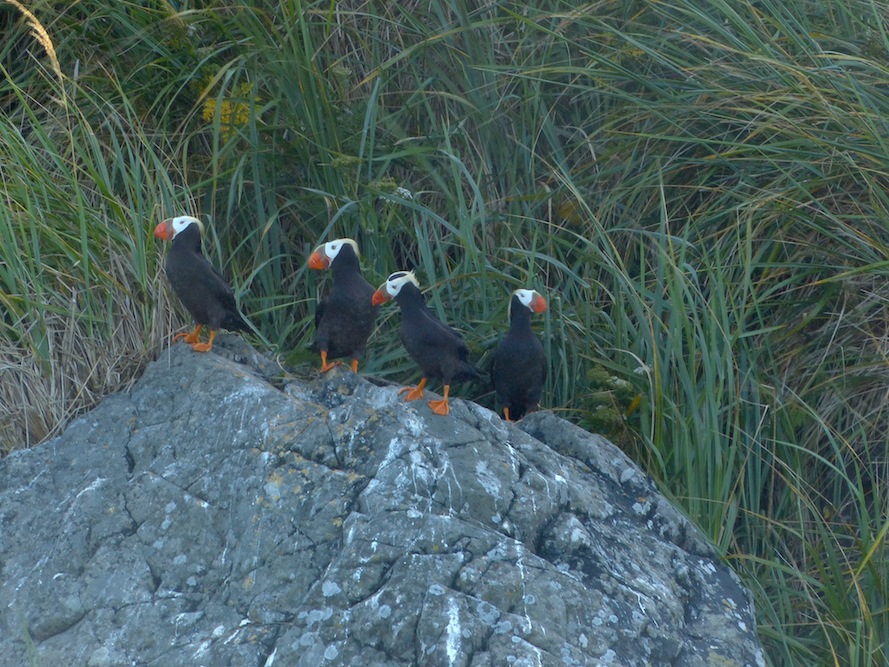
(506, 414)
(413, 393)
(325, 366)
(205, 347)
(190, 338)
(440, 407)
(354, 365)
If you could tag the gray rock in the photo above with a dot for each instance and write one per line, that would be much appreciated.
(207, 517)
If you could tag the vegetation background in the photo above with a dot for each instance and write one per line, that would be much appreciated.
(699, 186)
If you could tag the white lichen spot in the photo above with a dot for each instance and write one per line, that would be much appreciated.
(708, 567)
(218, 631)
(436, 589)
(308, 639)
(584, 642)
(487, 479)
(331, 652)
(502, 628)
(607, 658)
(330, 588)
(170, 507)
(642, 508)
(488, 613)
(393, 451)
(202, 648)
(453, 631)
(318, 615)
(580, 536)
(181, 559)
(273, 490)
(413, 424)
(627, 475)
(385, 611)
(95, 484)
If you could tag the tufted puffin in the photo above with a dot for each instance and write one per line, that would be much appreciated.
(437, 348)
(519, 368)
(345, 317)
(199, 286)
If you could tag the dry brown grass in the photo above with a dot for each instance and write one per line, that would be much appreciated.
(40, 395)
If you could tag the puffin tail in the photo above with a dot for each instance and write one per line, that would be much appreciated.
(468, 372)
(235, 322)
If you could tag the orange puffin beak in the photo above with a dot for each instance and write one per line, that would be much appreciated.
(164, 231)
(380, 296)
(538, 303)
(318, 261)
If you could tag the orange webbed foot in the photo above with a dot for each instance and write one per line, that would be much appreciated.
(440, 407)
(327, 365)
(506, 414)
(204, 347)
(190, 338)
(413, 393)
(354, 365)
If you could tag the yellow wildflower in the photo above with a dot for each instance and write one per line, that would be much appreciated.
(234, 111)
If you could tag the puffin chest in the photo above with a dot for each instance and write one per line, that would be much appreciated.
(192, 280)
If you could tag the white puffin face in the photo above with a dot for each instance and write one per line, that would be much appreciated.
(399, 279)
(182, 222)
(525, 296)
(530, 299)
(332, 248)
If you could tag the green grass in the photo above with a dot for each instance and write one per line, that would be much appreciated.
(698, 187)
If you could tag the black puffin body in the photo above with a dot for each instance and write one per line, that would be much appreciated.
(439, 350)
(345, 317)
(199, 286)
(519, 368)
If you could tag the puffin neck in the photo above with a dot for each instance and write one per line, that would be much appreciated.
(188, 239)
(519, 316)
(410, 299)
(345, 261)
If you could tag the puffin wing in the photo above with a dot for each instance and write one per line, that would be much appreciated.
(217, 285)
(320, 307)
